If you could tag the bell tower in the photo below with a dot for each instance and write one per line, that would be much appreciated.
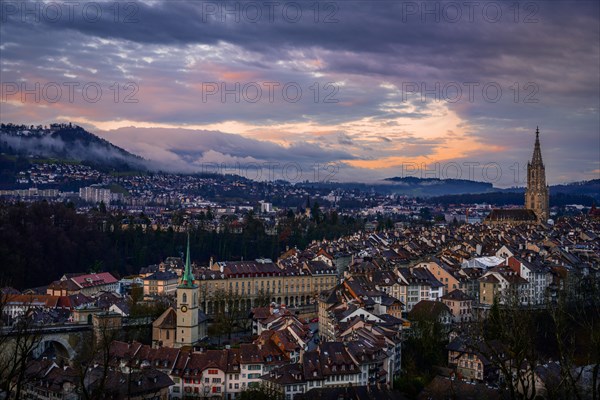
(536, 195)
(187, 306)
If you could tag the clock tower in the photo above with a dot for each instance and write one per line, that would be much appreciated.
(187, 306)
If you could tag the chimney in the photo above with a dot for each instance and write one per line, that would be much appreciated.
(210, 263)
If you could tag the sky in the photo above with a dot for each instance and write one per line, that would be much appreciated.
(305, 90)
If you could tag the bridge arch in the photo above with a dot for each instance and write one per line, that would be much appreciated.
(61, 345)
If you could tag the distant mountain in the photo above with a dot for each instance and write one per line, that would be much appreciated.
(408, 186)
(66, 142)
(584, 193)
(436, 187)
(587, 188)
(457, 191)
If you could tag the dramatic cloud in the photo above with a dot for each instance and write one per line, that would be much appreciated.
(375, 87)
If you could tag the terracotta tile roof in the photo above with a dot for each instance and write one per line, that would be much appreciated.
(91, 280)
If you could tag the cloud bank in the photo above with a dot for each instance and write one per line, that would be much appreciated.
(372, 86)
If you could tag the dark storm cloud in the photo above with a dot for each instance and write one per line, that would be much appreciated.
(553, 45)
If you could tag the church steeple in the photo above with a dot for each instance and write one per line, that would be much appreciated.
(186, 333)
(537, 151)
(536, 195)
(187, 279)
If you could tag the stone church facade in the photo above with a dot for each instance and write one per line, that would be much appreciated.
(537, 196)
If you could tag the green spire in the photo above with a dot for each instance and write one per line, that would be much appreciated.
(187, 280)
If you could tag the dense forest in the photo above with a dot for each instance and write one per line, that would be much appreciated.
(40, 241)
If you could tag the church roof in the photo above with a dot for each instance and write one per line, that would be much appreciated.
(167, 320)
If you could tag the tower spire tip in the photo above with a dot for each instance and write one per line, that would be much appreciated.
(188, 277)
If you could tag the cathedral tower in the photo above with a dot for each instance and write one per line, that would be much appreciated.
(536, 195)
(187, 306)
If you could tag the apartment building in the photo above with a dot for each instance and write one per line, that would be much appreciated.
(292, 284)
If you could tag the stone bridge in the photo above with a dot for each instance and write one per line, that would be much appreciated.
(66, 344)
(68, 340)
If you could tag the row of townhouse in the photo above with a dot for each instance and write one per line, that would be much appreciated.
(531, 281)
(210, 373)
(461, 288)
(425, 281)
(44, 309)
(368, 322)
(17, 305)
(46, 380)
(333, 364)
(355, 297)
(417, 284)
(407, 285)
(367, 357)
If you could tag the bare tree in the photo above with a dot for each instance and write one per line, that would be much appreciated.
(262, 298)
(507, 338)
(576, 316)
(229, 310)
(19, 338)
(93, 361)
